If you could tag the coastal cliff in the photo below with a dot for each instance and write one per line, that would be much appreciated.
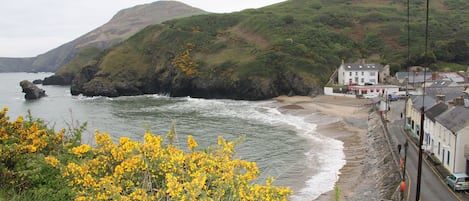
(123, 25)
(289, 48)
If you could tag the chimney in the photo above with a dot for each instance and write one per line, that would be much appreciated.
(363, 61)
(459, 101)
(440, 98)
(343, 61)
(434, 76)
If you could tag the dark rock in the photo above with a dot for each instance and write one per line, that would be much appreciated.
(85, 75)
(59, 79)
(167, 81)
(99, 87)
(127, 89)
(31, 91)
(39, 81)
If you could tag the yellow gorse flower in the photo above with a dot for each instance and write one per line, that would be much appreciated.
(80, 150)
(191, 143)
(51, 161)
(150, 170)
(131, 170)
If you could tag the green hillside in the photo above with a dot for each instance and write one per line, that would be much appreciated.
(303, 38)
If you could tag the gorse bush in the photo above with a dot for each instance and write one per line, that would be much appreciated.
(23, 170)
(37, 163)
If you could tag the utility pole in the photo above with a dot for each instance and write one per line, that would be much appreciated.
(422, 111)
(419, 167)
(408, 64)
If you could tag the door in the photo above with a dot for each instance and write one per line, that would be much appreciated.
(443, 159)
(467, 166)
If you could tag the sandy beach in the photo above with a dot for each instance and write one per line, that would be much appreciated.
(351, 129)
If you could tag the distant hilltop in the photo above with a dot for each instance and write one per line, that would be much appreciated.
(288, 48)
(123, 25)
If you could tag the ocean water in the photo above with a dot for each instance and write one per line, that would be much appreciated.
(284, 144)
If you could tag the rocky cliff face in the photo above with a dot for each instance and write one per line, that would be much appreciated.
(124, 24)
(167, 81)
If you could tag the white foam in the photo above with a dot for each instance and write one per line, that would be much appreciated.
(330, 161)
(328, 158)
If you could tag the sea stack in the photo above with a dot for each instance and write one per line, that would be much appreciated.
(31, 91)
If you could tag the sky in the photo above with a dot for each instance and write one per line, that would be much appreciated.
(32, 27)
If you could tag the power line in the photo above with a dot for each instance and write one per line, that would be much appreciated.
(422, 111)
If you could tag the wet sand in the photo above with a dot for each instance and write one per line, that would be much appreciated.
(351, 129)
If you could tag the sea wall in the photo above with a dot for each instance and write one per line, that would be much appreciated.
(381, 173)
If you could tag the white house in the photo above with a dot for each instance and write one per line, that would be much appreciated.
(358, 73)
(429, 124)
(452, 139)
(413, 113)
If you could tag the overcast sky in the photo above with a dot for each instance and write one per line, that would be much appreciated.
(32, 27)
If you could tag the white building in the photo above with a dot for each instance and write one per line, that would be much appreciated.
(358, 73)
(452, 139)
(429, 124)
(413, 113)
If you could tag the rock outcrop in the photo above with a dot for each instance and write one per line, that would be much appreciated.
(59, 79)
(84, 76)
(31, 91)
(90, 83)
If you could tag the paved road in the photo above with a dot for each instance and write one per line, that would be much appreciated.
(432, 187)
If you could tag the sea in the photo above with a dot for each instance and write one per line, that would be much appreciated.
(285, 144)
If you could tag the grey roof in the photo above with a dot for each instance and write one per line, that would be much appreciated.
(454, 119)
(361, 67)
(419, 101)
(414, 77)
(441, 83)
(450, 93)
(436, 110)
(452, 76)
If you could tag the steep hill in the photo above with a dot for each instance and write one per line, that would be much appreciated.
(124, 24)
(15, 64)
(287, 48)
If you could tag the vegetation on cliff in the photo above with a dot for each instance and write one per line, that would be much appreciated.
(287, 48)
(37, 163)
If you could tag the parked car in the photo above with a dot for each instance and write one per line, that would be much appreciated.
(458, 181)
(370, 95)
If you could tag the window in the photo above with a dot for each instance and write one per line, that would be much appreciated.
(438, 148)
(350, 73)
(363, 80)
(356, 73)
(350, 81)
(363, 73)
(372, 73)
(447, 159)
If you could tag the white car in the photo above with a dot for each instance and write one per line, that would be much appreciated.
(370, 95)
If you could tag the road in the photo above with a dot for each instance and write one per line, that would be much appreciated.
(432, 187)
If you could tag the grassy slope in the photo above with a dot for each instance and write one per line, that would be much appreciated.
(85, 57)
(309, 37)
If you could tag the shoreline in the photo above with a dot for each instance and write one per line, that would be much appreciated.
(350, 128)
